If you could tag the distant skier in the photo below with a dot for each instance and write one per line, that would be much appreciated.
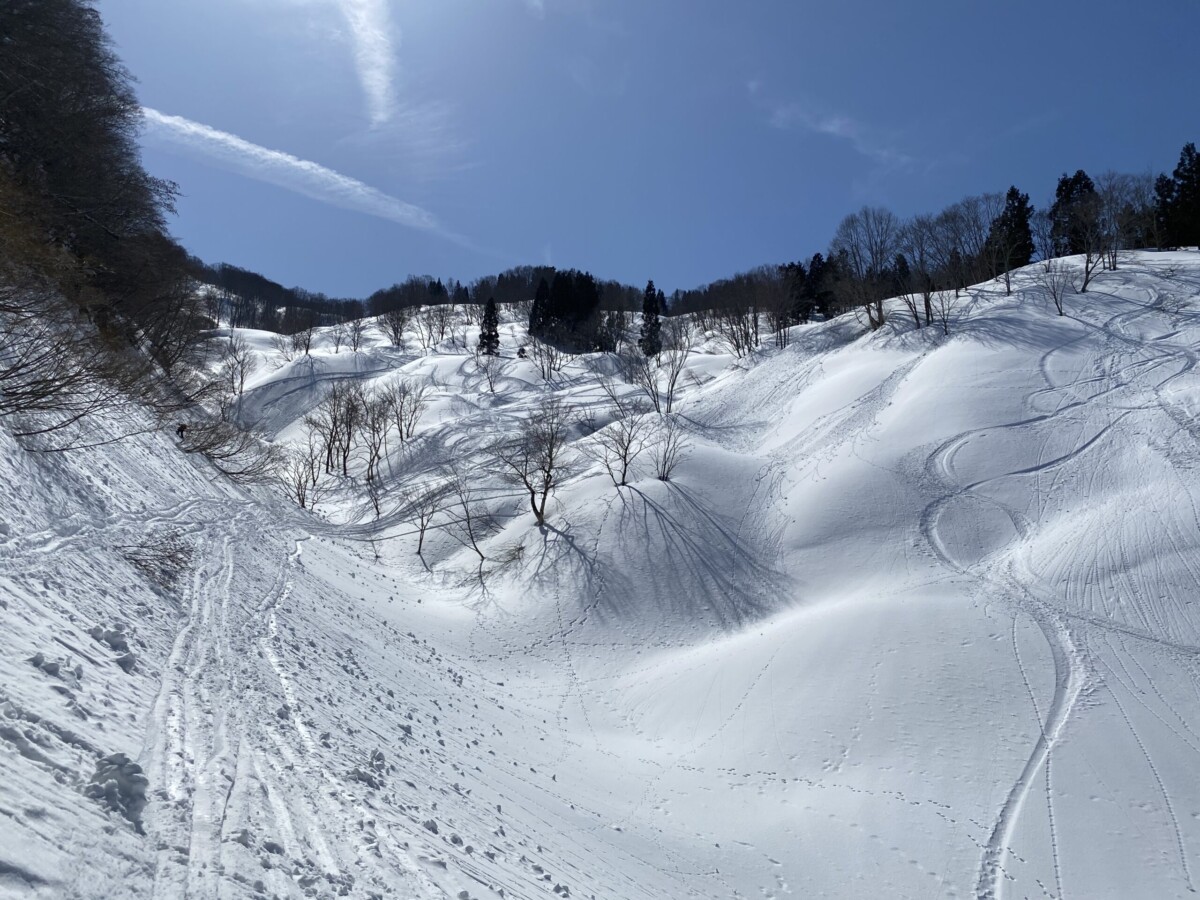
(521, 353)
(181, 431)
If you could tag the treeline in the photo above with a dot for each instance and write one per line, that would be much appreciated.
(928, 259)
(97, 301)
(245, 299)
(513, 286)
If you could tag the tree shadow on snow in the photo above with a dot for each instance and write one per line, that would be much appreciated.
(656, 560)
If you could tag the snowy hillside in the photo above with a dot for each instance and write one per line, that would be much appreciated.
(916, 616)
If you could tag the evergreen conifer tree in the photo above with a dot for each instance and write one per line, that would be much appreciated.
(1010, 237)
(539, 315)
(1178, 201)
(489, 332)
(650, 340)
(1069, 197)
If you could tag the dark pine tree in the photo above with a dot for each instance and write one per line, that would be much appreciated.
(1069, 196)
(1179, 209)
(1010, 237)
(539, 315)
(1164, 202)
(795, 276)
(489, 331)
(820, 285)
(461, 295)
(650, 340)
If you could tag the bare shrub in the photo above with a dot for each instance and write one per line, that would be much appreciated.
(300, 473)
(669, 447)
(548, 358)
(491, 368)
(1056, 280)
(282, 344)
(239, 453)
(161, 557)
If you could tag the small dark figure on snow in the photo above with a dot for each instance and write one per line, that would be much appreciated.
(521, 353)
(181, 430)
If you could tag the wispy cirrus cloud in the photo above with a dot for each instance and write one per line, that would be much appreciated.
(792, 116)
(309, 179)
(375, 39)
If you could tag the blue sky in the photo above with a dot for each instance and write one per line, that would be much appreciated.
(341, 145)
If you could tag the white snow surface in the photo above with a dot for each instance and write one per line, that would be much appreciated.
(919, 616)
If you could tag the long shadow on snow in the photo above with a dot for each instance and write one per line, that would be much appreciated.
(678, 560)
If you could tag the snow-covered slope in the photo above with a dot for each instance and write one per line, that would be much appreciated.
(917, 617)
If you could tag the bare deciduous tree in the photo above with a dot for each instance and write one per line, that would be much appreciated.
(618, 445)
(376, 420)
(1088, 214)
(433, 324)
(992, 255)
(357, 333)
(394, 323)
(469, 518)
(336, 420)
(237, 364)
(339, 334)
(548, 358)
(302, 340)
(407, 401)
(678, 336)
(639, 370)
(423, 507)
(1127, 212)
(300, 473)
(773, 299)
(867, 243)
(536, 458)
(737, 324)
(426, 327)
(944, 305)
(51, 362)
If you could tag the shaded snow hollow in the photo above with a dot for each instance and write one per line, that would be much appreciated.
(918, 617)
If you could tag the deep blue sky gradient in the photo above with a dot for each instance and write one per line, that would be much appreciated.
(680, 140)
